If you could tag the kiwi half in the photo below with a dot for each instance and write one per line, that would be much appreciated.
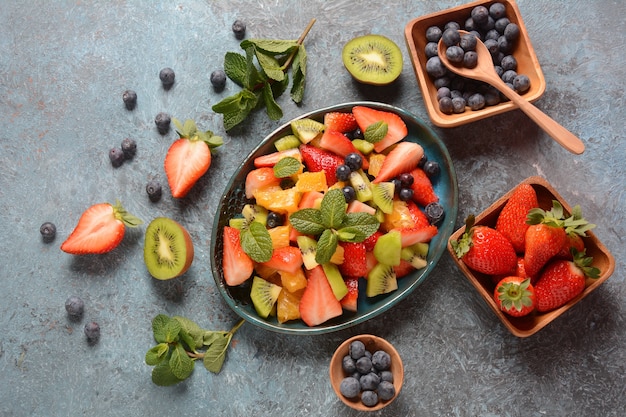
(372, 59)
(264, 295)
(168, 249)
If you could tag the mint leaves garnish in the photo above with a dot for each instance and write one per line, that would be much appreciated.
(332, 224)
(376, 132)
(256, 242)
(180, 342)
(286, 167)
(266, 80)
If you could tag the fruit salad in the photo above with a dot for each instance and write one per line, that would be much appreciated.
(340, 202)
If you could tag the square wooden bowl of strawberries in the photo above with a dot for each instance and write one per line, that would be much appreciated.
(531, 256)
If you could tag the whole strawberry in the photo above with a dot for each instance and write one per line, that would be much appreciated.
(562, 280)
(576, 228)
(485, 250)
(512, 219)
(544, 238)
(515, 296)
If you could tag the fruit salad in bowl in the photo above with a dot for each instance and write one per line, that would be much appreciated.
(334, 218)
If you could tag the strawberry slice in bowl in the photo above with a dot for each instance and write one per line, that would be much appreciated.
(391, 128)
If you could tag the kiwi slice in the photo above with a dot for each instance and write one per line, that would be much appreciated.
(307, 129)
(382, 196)
(372, 59)
(287, 142)
(363, 146)
(254, 213)
(415, 254)
(338, 285)
(388, 247)
(380, 280)
(361, 185)
(167, 249)
(264, 295)
(308, 247)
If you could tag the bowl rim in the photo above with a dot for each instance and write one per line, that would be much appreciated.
(442, 120)
(446, 230)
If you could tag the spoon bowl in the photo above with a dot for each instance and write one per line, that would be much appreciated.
(484, 71)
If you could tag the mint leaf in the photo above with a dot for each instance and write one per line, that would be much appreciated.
(194, 331)
(326, 246)
(307, 221)
(333, 209)
(376, 132)
(274, 112)
(157, 354)
(171, 331)
(256, 242)
(159, 324)
(236, 107)
(270, 66)
(286, 167)
(236, 67)
(299, 75)
(275, 47)
(216, 353)
(180, 364)
(163, 376)
(358, 225)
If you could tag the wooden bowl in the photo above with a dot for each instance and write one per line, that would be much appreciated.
(528, 325)
(415, 36)
(372, 343)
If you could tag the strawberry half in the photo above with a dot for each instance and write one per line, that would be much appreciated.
(413, 235)
(396, 128)
(349, 301)
(340, 122)
(355, 263)
(404, 157)
(511, 221)
(100, 229)
(338, 143)
(271, 159)
(260, 178)
(288, 258)
(318, 303)
(189, 157)
(423, 191)
(418, 216)
(317, 160)
(236, 264)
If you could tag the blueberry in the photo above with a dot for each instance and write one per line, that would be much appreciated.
(116, 155)
(492, 46)
(445, 105)
(369, 381)
(431, 168)
(350, 387)
(455, 54)
(498, 70)
(480, 15)
(476, 101)
(488, 25)
(349, 193)
(435, 68)
(405, 194)
(239, 29)
(470, 25)
(348, 365)
(492, 34)
(130, 99)
(381, 360)
(287, 183)
(343, 172)
(354, 161)
(363, 364)
(492, 97)
(406, 179)
(468, 42)
(397, 185)
(356, 349)
(386, 390)
(434, 212)
(451, 37)
(443, 92)
(386, 376)
(452, 25)
(509, 76)
(74, 306)
(442, 82)
(509, 63)
(431, 49)
(369, 398)
(470, 59)
(501, 24)
(92, 331)
(458, 105)
(455, 94)
(511, 32)
(218, 79)
(274, 219)
(433, 34)
(497, 10)
(505, 45)
(521, 83)
(48, 231)
(167, 77)
(154, 190)
(129, 148)
(162, 121)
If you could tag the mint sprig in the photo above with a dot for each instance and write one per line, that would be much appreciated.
(180, 342)
(376, 132)
(332, 224)
(264, 81)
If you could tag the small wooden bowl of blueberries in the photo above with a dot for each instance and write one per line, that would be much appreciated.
(366, 372)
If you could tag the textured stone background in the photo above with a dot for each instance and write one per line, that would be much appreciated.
(63, 68)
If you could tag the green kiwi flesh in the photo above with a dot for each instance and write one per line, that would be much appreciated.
(381, 280)
(372, 59)
(307, 129)
(264, 295)
(382, 196)
(388, 247)
(168, 250)
(337, 284)
(308, 247)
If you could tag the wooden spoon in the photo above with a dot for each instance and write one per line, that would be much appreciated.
(485, 72)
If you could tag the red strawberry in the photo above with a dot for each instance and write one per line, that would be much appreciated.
(485, 250)
(338, 143)
(189, 157)
(317, 159)
(318, 303)
(576, 228)
(405, 268)
(573, 241)
(260, 178)
(544, 238)
(404, 157)
(413, 235)
(515, 296)
(370, 242)
(288, 258)
(349, 301)
(511, 221)
(562, 280)
(519, 271)
(340, 122)
(236, 264)
(100, 229)
(423, 191)
(418, 216)
(396, 128)
(354, 264)
(271, 159)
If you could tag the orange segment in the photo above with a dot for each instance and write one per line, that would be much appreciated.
(400, 217)
(337, 257)
(288, 306)
(279, 200)
(311, 181)
(267, 273)
(280, 236)
(376, 161)
(293, 282)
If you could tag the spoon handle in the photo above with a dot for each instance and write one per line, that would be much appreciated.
(560, 134)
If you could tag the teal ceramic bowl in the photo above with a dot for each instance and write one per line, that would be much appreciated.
(233, 200)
